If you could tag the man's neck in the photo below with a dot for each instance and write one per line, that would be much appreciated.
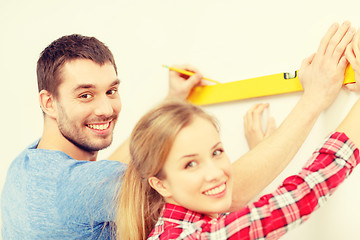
(52, 139)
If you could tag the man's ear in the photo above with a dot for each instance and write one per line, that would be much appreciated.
(159, 186)
(47, 103)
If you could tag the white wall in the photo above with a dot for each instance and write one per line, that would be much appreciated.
(227, 40)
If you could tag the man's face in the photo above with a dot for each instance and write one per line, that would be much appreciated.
(88, 104)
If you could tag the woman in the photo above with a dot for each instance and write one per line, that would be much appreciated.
(179, 182)
(180, 179)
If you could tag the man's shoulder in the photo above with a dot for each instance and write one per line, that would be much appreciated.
(31, 153)
(45, 157)
(42, 166)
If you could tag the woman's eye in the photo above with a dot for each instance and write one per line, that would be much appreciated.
(191, 164)
(218, 152)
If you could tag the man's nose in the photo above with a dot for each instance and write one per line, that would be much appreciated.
(104, 107)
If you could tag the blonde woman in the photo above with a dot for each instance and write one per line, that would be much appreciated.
(179, 182)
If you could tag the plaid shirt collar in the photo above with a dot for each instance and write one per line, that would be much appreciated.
(177, 214)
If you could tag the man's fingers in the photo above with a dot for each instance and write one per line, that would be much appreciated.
(195, 79)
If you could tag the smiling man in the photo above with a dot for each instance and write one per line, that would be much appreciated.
(81, 117)
(55, 189)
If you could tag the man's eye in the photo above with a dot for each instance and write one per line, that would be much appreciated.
(111, 92)
(85, 96)
(191, 164)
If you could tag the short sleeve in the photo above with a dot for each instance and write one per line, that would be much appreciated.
(87, 192)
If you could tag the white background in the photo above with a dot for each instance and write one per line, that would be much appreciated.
(227, 40)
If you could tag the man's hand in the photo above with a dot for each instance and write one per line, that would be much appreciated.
(180, 85)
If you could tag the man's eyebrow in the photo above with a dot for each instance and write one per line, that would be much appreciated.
(84, 86)
(89, 86)
(116, 82)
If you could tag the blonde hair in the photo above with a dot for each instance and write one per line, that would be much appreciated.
(139, 205)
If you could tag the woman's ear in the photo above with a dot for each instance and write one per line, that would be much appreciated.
(159, 186)
(47, 103)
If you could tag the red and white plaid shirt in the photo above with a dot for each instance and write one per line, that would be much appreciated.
(274, 214)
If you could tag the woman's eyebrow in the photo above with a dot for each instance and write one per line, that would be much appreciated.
(215, 146)
(189, 155)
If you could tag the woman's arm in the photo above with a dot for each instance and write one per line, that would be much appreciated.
(321, 76)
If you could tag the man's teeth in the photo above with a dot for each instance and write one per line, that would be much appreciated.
(215, 191)
(99, 126)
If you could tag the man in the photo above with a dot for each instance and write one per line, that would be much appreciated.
(56, 189)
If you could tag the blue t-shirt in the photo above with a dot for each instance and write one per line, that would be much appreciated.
(49, 195)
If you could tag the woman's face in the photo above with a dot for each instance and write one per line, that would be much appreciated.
(198, 171)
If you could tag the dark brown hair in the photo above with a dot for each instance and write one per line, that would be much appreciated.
(66, 49)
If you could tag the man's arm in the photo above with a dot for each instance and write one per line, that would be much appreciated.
(121, 153)
(179, 88)
(321, 76)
